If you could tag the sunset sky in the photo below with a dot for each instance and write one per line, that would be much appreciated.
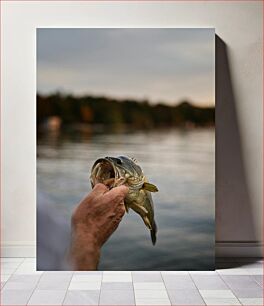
(161, 65)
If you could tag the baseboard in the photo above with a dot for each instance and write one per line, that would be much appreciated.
(239, 249)
(21, 249)
(223, 249)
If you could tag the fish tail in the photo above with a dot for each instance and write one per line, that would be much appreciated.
(153, 233)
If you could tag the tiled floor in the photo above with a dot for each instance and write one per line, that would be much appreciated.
(236, 282)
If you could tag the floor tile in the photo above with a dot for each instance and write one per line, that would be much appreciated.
(117, 286)
(178, 282)
(221, 301)
(47, 297)
(85, 286)
(252, 301)
(8, 270)
(117, 297)
(151, 302)
(20, 285)
(86, 278)
(117, 278)
(217, 294)
(61, 273)
(233, 271)
(258, 279)
(174, 273)
(15, 297)
(240, 282)
(146, 277)
(149, 286)
(5, 277)
(254, 271)
(81, 297)
(151, 294)
(27, 268)
(185, 297)
(248, 293)
(24, 278)
(27, 272)
(88, 272)
(11, 265)
(202, 273)
(30, 260)
(54, 281)
(117, 272)
(209, 282)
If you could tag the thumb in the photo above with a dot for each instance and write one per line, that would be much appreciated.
(118, 192)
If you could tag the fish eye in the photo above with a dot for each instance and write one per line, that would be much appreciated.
(118, 161)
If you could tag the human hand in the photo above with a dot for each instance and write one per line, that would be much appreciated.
(93, 222)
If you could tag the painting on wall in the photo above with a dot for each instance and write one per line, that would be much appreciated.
(125, 149)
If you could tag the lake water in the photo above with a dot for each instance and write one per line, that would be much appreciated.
(180, 162)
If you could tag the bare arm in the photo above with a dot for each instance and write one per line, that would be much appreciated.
(93, 222)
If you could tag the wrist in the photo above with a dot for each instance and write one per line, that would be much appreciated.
(85, 250)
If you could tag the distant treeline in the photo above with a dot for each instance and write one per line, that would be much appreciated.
(112, 112)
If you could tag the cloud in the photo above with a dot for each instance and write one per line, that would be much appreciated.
(158, 64)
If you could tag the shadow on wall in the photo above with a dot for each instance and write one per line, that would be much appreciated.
(234, 215)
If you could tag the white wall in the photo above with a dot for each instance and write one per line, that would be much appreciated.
(238, 24)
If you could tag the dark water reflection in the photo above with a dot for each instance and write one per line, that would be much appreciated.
(180, 163)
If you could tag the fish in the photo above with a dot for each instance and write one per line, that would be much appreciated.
(122, 170)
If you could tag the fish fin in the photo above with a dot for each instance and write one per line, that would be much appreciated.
(133, 159)
(91, 181)
(144, 210)
(153, 236)
(150, 187)
(153, 233)
(146, 220)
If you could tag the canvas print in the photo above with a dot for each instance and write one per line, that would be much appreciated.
(125, 149)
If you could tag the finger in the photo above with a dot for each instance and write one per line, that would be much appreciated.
(99, 189)
(121, 205)
(117, 193)
(121, 208)
(119, 215)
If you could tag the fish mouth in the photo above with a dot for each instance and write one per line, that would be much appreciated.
(104, 171)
